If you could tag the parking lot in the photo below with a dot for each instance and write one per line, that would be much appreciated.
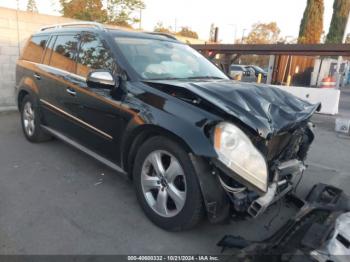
(56, 200)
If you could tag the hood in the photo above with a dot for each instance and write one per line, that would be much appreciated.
(265, 109)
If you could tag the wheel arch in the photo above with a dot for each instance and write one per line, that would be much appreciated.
(140, 135)
(27, 87)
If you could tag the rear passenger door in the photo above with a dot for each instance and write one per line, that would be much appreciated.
(59, 78)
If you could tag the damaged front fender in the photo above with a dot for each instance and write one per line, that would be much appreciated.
(215, 199)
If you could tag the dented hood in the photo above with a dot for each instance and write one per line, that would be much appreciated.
(266, 109)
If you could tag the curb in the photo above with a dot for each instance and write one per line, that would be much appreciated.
(8, 109)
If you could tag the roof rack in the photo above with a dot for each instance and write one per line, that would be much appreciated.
(58, 26)
(162, 34)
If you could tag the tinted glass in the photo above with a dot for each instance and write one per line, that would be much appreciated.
(35, 48)
(236, 68)
(162, 59)
(64, 52)
(93, 54)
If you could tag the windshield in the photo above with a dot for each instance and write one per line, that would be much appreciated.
(259, 69)
(158, 60)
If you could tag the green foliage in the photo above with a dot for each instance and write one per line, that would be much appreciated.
(31, 6)
(341, 9)
(118, 12)
(187, 32)
(263, 33)
(89, 10)
(124, 12)
(160, 28)
(311, 26)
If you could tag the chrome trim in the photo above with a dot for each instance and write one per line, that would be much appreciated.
(83, 23)
(83, 149)
(76, 119)
(59, 70)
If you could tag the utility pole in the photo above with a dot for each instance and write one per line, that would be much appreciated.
(18, 40)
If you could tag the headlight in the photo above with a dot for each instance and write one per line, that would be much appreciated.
(238, 153)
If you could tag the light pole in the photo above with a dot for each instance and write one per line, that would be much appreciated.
(235, 26)
(340, 58)
(140, 23)
(243, 31)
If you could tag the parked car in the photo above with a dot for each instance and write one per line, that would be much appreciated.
(193, 141)
(238, 70)
(258, 70)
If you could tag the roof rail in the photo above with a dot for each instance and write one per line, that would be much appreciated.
(58, 26)
(162, 34)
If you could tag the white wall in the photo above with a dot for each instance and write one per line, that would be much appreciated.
(328, 97)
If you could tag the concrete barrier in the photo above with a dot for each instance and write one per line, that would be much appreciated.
(329, 98)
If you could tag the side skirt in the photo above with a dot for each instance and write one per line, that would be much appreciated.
(83, 149)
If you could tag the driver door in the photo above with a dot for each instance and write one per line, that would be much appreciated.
(95, 106)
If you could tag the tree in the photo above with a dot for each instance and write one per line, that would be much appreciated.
(160, 28)
(260, 33)
(341, 9)
(263, 33)
(187, 32)
(311, 26)
(31, 6)
(123, 12)
(347, 39)
(90, 10)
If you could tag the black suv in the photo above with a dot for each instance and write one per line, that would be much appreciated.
(194, 142)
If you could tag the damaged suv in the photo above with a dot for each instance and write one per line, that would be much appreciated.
(194, 142)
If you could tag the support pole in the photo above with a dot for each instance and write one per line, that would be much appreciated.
(270, 69)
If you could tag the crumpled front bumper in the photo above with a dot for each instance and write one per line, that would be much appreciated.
(279, 187)
(318, 232)
(282, 183)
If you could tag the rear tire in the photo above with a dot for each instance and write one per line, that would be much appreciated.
(30, 120)
(166, 184)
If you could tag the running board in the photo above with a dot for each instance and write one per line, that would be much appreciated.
(83, 149)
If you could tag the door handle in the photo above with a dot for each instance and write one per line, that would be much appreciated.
(71, 91)
(37, 76)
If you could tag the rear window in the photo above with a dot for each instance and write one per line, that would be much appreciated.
(35, 48)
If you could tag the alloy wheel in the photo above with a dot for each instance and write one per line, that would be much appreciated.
(163, 183)
(28, 118)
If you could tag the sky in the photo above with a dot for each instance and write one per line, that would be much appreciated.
(233, 17)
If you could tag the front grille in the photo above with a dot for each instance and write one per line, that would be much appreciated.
(276, 145)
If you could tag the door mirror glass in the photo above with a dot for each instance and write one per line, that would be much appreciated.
(100, 79)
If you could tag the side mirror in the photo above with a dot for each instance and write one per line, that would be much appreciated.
(100, 79)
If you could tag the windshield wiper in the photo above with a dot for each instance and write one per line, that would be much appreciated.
(204, 77)
(186, 78)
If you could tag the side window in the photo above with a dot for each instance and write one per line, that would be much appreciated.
(35, 48)
(49, 48)
(64, 52)
(93, 54)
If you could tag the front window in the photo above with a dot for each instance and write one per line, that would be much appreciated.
(160, 59)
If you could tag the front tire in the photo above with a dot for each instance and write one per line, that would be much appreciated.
(166, 184)
(30, 119)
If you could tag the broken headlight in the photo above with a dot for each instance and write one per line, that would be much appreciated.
(237, 152)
